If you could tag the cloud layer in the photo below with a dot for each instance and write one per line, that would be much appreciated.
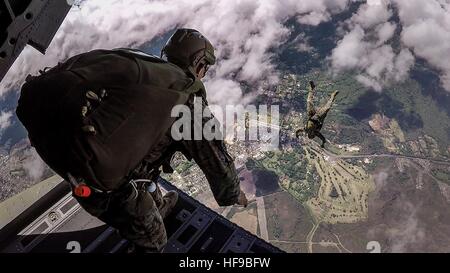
(426, 29)
(243, 31)
(369, 43)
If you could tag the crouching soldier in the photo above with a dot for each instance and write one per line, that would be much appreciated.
(102, 121)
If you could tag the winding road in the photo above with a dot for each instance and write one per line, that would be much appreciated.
(331, 154)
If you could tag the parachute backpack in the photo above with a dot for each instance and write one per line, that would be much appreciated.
(98, 114)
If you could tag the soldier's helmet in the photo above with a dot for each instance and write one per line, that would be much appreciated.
(189, 48)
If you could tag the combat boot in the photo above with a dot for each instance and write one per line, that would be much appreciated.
(168, 203)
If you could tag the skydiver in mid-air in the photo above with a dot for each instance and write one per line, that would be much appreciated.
(316, 116)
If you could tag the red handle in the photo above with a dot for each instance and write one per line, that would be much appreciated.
(82, 191)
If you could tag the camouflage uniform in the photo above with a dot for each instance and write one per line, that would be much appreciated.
(104, 118)
(316, 116)
(135, 212)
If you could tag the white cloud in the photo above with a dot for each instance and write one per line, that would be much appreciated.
(375, 63)
(349, 50)
(403, 63)
(371, 14)
(33, 165)
(385, 32)
(370, 82)
(364, 47)
(245, 32)
(426, 30)
(367, 49)
(5, 120)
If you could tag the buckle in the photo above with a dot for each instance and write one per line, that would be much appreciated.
(81, 189)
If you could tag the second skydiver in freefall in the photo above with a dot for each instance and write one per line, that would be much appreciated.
(316, 116)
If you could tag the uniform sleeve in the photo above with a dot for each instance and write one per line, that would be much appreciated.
(217, 165)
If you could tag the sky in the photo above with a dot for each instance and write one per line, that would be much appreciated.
(245, 32)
